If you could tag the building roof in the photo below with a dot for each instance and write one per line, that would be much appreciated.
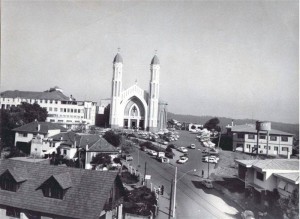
(95, 142)
(84, 199)
(272, 164)
(118, 58)
(46, 95)
(103, 146)
(292, 177)
(250, 128)
(44, 127)
(155, 60)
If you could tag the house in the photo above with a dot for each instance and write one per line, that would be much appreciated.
(270, 174)
(63, 110)
(245, 138)
(35, 190)
(33, 138)
(83, 145)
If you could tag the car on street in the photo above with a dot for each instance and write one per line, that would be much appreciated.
(152, 152)
(207, 183)
(247, 215)
(192, 146)
(209, 159)
(183, 160)
(128, 157)
(182, 149)
(163, 159)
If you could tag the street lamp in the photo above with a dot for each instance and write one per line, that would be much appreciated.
(175, 184)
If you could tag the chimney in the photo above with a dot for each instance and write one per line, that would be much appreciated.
(38, 127)
(86, 147)
(232, 123)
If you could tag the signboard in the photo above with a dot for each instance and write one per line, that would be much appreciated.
(148, 177)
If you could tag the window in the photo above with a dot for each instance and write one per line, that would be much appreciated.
(60, 121)
(56, 102)
(46, 101)
(260, 176)
(12, 212)
(50, 108)
(275, 148)
(273, 138)
(75, 110)
(51, 101)
(52, 120)
(61, 110)
(240, 135)
(248, 145)
(284, 138)
(25, 135)
(251, 136)
(65, 152)
(68, 110)
(262, 137)
(8, 183)
(71, 110)
(53, 192)
(65, 110)
(55, 109)
(285, 149)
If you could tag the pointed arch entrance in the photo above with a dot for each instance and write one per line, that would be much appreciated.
(134, 114)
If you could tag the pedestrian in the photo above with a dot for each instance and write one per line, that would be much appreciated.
(162, 190)
(202, 173)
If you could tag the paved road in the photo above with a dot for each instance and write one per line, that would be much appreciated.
(193, 200)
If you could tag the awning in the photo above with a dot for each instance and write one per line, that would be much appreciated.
(281, 185)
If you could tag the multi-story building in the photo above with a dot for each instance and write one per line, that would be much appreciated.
(245, 138)
(61, 109)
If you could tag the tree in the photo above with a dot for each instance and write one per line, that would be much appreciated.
(112, 138)
(17, 116)
(213, 124)
(101, 158)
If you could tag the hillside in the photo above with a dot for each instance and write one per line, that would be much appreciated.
(285, 127)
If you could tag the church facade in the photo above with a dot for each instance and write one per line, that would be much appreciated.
(135, 108)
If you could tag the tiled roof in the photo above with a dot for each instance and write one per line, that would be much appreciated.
(118, 58)
(15, 175)
(272, 164)
(44, 127)
(250, 128)
(95, 142)
(46, 95)
(155, 60)
(294, 177)
(85, 199)
(103, 146)
(64, 180)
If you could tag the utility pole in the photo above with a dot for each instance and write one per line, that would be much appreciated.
(145, 173)
(208, 169)
(170, 206)
(219, 138)
(174, 196)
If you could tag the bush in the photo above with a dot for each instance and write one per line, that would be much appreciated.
(112, 138)
(169, 149)
(117, 160)
(15, 152)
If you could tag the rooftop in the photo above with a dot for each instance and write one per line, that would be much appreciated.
(85, 197)
(44, 127)
(46, 95)
(292, 177)
(250, 128)
(272, 164)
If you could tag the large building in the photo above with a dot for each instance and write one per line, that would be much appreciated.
(61, 109)
(274, 143)
(135, 107)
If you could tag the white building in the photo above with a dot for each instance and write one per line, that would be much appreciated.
(135, 107)
(245, 137)
(34, 138)
(267, 175)
(61, 109)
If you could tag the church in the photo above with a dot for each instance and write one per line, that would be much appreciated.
(135, 108)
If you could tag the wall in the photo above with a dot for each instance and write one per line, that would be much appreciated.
(20, 138)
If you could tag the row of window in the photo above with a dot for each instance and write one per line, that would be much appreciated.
(272, 137)
(264, 147)
(63, 110)
(62, 121)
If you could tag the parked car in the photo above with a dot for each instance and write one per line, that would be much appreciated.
(182, 160)
(192, 146)
(152, 152)
(207, 183)
(163, 159)
(182, 149)
(247, 215)
(209, 159)
(128, 157)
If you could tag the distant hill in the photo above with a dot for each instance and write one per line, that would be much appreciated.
(285, 127)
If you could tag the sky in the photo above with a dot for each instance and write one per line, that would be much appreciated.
(237, 59)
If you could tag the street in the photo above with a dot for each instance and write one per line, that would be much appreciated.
(192, 199)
